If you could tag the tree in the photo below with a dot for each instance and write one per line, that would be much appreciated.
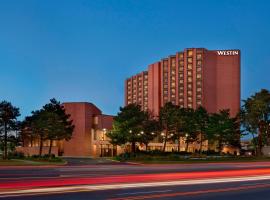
(222, 129)
(58, 123)
(167, 117)
(8, 117)
(150, 128)
(255, 118)
(179, 124)
(127, 125)
(49, 123)
(190, 127)
(201, 120)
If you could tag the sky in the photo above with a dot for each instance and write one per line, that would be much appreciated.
(83, 50)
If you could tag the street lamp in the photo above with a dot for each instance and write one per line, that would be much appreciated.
(102, 139)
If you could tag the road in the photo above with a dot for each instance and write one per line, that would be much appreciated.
(103, 179)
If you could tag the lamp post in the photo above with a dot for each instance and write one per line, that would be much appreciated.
(102, 140)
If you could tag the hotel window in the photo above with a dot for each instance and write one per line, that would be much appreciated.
(199, 56)
(165, 86)
(181, 75)
(189, 73)
(189, 79)
(199, 103)
(181, 88)
(190, 99)
(181, 63)
(199, 83)
(189, 60)
(181, 55)
(173, 84)
(189, 86)
(173, 78)
(189, 93)
(199, 76)
(173, 72)
(173, 91)
(199, 62)
(189, 105)
(165, 92)
(199, 89)
(199, 69)
(181, 100)
(189, 66)
(190, 53)
(199, 96)
(181, 94)
(181, 81)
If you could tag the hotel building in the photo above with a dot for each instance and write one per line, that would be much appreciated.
(88, 139)
(190, 78)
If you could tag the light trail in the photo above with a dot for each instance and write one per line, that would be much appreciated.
(89, 188)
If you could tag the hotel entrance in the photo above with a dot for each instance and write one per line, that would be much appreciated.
(107, 150)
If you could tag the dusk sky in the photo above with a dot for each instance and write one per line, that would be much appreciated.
(83, 50)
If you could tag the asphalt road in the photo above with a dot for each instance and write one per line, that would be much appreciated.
(253, 190)
(104, 179)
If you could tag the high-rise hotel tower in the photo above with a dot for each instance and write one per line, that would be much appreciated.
(193, 77)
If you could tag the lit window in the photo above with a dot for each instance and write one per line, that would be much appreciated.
(173, 84)
(189, 60)
(199, 69)
(189, 105)
(199, 75)
(199, 83)
(189, 73)
(189, 66)
(181, 55)
(189, 86)
(199, 56)
(199, 62)
(190, 99)
(189, 92)
(181, 81)
(181, 94)
(189, 79)
(181, 100)
(199, 89)
(190, 52)
(181, 75)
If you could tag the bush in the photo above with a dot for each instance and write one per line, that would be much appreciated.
(15, 155)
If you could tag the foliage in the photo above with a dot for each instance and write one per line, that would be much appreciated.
(49, 123)
(8, 123)
(255, 118)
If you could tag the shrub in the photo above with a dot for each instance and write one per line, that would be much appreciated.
(16, 155)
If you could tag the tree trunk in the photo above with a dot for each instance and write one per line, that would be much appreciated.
(40, 146)
(201, 143)
(50, 148)
(179, 144)
(146, 146)
(187, 143)
(133, 147)
(259, 151)
(165, 142)
(5, 141)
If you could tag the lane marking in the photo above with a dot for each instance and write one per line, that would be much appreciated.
(148, 192)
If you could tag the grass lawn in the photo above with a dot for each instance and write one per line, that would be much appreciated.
(27, 162)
